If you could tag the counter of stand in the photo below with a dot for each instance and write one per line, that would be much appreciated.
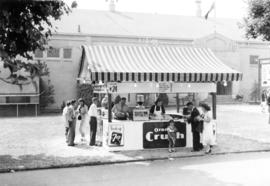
(137, 135)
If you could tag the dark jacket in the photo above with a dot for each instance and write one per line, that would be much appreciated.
(186, 111)
(195, 124)
(268, 100)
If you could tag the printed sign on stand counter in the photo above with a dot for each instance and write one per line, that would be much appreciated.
(265, 75)
(116, 135)
(155, 134)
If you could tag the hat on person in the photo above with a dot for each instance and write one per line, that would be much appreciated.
(94, 99)
(80, 100)
(73, 101)
(171, 121)
(189, 103)
(68, 102)
(205, 106)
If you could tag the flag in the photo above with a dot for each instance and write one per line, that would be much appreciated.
(210, 10)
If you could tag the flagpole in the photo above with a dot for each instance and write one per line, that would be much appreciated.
(215, 16)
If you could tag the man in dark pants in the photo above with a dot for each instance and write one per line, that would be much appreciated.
(195, 126)
(71, 124)
(93, 121)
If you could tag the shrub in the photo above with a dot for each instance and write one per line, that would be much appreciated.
(85, 91)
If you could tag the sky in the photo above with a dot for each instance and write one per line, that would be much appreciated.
(224, 8)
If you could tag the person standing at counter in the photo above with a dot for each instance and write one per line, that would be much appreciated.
(120, 110)
(82, 111)
(104, 102)
(157, 110)
(66, 118)
(93, 114)
(187, 110)
(196, 126)
(207, 128)
(71, 122)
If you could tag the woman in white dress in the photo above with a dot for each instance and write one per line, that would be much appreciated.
(82, 116)
(207, 128)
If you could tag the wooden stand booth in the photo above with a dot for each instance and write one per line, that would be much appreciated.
(150, 69)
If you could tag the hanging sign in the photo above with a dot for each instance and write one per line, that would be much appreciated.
(112, 87)
(164, 87)
(100, 89)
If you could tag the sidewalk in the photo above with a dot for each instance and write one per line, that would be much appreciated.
(36, 143)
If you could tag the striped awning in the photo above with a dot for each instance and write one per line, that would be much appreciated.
(153, 63)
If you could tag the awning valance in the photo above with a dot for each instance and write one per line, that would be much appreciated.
(153, 63)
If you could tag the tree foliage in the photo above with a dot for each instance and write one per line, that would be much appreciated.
(25, 26)
(85, 91)
(257, 22)
(255, 92)
(46, 93)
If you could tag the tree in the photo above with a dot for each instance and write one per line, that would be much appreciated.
(46, 93)
(85, 91)
(257, 22)
(255, 93)
(25, 26)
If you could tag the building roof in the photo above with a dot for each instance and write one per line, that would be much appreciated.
(153, 63)
(147, 25)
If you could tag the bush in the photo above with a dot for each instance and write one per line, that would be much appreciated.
(46, 93)
(85, 91)
(255, 93)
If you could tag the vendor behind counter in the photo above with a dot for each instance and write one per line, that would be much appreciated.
(157, 111)
(121, 110)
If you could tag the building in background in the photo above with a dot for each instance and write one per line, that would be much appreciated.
(89, 27)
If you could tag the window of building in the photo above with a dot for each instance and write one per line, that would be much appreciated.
(38, 54)
(18, 99)
(53, 53)
(67, 53)
(253, 59)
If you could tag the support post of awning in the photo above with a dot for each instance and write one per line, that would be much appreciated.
(259, 79)
(110, 107)
(177, 103)
(214, 105)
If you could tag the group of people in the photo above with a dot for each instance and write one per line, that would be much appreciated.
(78, 111)
(121, 110)
(201, 128)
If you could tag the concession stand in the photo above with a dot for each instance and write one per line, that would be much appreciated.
(134, 70)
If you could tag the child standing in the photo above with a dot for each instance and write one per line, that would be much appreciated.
(171, 130)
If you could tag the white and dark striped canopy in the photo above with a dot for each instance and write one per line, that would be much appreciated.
(153, 63)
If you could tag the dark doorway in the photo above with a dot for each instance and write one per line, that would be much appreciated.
(224, 90)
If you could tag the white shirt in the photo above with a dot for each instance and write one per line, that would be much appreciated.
(93, 111)
(65, 115)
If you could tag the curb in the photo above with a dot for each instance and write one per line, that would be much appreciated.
(125, 161)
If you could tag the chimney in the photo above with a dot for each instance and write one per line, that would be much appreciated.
(79, 28)
(112, 5)
(199, 8)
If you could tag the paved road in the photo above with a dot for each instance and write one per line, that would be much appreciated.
(234, 170)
